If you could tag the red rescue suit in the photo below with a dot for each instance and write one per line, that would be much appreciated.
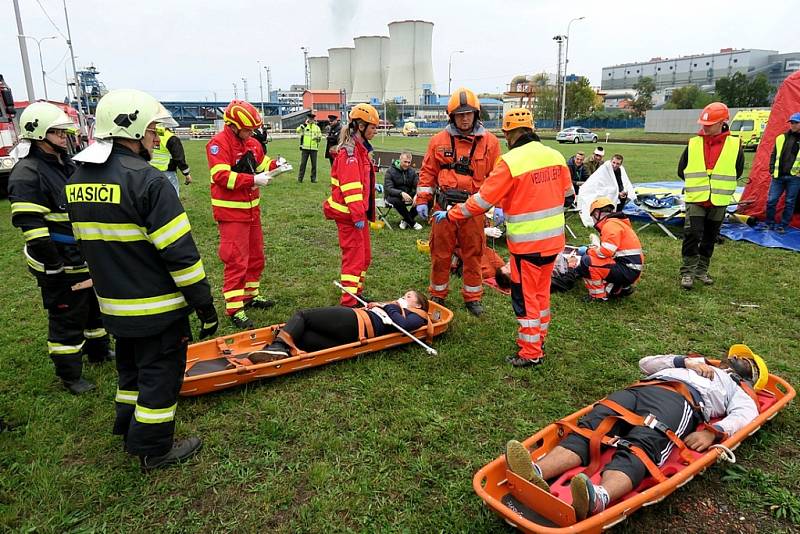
(530, 183)
(235, 204)
(352, 200)
(617, 263)
(456, 165)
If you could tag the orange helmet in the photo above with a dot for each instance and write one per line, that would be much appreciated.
(713, 113)
(366, 113)
(517, 118)
(600, 203)
(242, 115)
(463, 100)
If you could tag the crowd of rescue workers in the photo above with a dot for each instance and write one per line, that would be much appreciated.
(111, 247)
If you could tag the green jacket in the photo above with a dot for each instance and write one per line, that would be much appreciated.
(310, 136)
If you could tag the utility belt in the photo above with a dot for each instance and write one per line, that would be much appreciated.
(450, 197)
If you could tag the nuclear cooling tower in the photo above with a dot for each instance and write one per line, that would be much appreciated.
(318, 72)
(410, 60)
(368, 68)
(340, 69)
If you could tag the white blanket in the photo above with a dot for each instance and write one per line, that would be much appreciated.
(602, 183)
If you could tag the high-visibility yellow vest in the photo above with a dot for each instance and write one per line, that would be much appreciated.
(717, 184)
(779, 141)
(310, 136)
(161, 156)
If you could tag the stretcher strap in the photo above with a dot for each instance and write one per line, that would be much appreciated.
(365, 329)
(651, 422)
(427, 317)
(598, 437)
(676, 386)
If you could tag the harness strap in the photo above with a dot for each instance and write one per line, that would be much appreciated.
(365, 330)
(651, 422)
(424, 315)
(674, 385)
(616, 442)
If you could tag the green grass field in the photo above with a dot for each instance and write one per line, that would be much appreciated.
(389, 442)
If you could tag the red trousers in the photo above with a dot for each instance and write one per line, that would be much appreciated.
(530, 297)
(356, 257)
(241, 249)
(468, 237)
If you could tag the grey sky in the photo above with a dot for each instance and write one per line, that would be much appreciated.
(183, 49)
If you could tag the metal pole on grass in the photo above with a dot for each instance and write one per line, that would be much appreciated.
(428, 348)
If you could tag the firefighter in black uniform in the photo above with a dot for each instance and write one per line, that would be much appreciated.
(147, 272)
(39, 209)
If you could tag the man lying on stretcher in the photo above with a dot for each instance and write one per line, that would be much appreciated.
(681, 392)
(317, 329)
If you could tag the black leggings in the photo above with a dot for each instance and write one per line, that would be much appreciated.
(322, 328)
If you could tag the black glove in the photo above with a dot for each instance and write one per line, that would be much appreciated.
(208, 320)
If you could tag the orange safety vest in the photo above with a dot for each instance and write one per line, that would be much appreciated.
(530, 182)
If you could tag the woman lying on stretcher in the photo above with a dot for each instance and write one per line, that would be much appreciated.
(316, 329)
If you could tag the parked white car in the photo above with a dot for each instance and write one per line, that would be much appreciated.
(576, 134)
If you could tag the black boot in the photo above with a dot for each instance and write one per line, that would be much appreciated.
(474, 307)
(76, 387)
(277, 350)
(259, 302)
(181, 450)
(438, 300)
(518, 361)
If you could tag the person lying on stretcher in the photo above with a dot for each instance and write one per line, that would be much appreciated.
(316, 329)
(681, 392)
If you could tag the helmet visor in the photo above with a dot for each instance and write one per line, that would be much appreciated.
(164, 118)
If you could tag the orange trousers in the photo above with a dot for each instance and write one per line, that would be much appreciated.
(468, 237)
(241, 249)
(530, 297)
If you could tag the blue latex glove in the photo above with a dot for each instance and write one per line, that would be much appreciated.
(379, 188)
(359, 224)
(582, 250)
(439, 216)
(422, 211)
(499, 216)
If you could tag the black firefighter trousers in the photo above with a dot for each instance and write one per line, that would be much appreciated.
(74, 328)
(151, 373)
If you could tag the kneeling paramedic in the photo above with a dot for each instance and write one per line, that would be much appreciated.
(671, 408)
(612, 267)
(456, 164)
(147, 272)
(38, 208)
(532, 184)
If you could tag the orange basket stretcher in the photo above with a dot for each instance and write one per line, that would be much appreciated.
(533, 510)
(222, 363)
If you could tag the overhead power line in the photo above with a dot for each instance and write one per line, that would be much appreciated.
(50, 19)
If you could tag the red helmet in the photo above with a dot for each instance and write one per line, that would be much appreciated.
(242, 115)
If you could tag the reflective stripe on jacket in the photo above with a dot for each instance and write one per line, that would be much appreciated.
(779, 142)
(618, 244)
(717, 184)
(233, 197)
(310, 136)
(530, 182)
(352, 197)
(138, 244)
(434, 173)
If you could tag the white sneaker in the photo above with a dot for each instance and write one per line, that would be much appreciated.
(403, 225)
(417, 226)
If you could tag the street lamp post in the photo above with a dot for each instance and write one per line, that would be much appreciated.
(41, 63)
(450, 69)
(566, 62)
(260, 87)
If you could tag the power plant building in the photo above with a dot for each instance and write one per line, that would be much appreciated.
(369, 64)
(318, 72)
(340, 70)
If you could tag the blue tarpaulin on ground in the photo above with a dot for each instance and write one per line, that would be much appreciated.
(731, 229)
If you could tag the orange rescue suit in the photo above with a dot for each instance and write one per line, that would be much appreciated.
(530, 182)
(477, 153)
